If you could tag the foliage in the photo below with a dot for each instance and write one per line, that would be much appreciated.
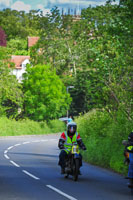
(56, 126)
(103, 137)
(107, 57)
(3, 54)
(11, 127)
(18, 46)
(95, 53)
(10, 90)
(55, 43)
(45, 94)
(25, 23)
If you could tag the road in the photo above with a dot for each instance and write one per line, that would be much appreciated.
(29, 170)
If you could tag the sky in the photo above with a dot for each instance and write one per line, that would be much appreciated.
(47, 5)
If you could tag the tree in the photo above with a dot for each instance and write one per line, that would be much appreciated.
(110, 51)
(94, 54)
(11, 96)
(2, 38)
(18, 46)
(98, 48)
(44, 93)
(56, 43)
(18, 24)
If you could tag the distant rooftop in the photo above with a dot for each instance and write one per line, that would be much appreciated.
(32, 41)
(18, 60)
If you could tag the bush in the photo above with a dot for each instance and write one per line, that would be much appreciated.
(11, 127)
(56, 126)
(103, 137)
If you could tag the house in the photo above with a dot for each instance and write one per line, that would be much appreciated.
(21, 61)
(20, 66)
(32, 41)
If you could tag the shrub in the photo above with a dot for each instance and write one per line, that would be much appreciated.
(103, 135)
(11, 127)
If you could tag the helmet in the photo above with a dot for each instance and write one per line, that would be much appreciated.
(130, 138)
(71, 128)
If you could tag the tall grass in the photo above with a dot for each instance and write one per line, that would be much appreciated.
(103, 137)
(11, 127)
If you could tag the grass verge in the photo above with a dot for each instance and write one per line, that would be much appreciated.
(11, 127)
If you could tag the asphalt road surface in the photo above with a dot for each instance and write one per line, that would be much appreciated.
(29, 171)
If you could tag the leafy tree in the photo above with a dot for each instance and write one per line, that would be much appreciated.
(95, 52)
(11, 97)
(44, 93)
(56, 43)
(18, 46)
(110, 51)
(25, 23)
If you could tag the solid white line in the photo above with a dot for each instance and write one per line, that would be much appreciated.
(14, 163)
(31, 175)
(6, 156)
(60, 192)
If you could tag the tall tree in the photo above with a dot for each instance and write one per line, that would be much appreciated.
(110, 51)
(45, 94)
(11, 96)
(98, 48)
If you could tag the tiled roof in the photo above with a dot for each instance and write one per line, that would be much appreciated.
(32, 41)
(18, 60)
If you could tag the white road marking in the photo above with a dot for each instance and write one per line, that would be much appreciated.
(60, 192)
(6, 156)
(36, 141)
(14, 163)
(5, 152)
(26, 142)
(44, 140)
(10, 147)
(31, 175)
(17, 145)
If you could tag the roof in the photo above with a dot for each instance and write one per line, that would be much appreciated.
(18, 60)
(32, 41)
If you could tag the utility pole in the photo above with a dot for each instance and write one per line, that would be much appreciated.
(71, 86)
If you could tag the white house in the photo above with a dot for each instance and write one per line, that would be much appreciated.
(21, 61)
(20, 66)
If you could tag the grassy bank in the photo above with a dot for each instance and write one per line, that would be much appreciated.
(103, 137)
(10, 127)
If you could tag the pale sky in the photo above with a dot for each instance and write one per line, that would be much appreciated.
(47, 5)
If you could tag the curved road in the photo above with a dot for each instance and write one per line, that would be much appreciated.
(29, 170)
